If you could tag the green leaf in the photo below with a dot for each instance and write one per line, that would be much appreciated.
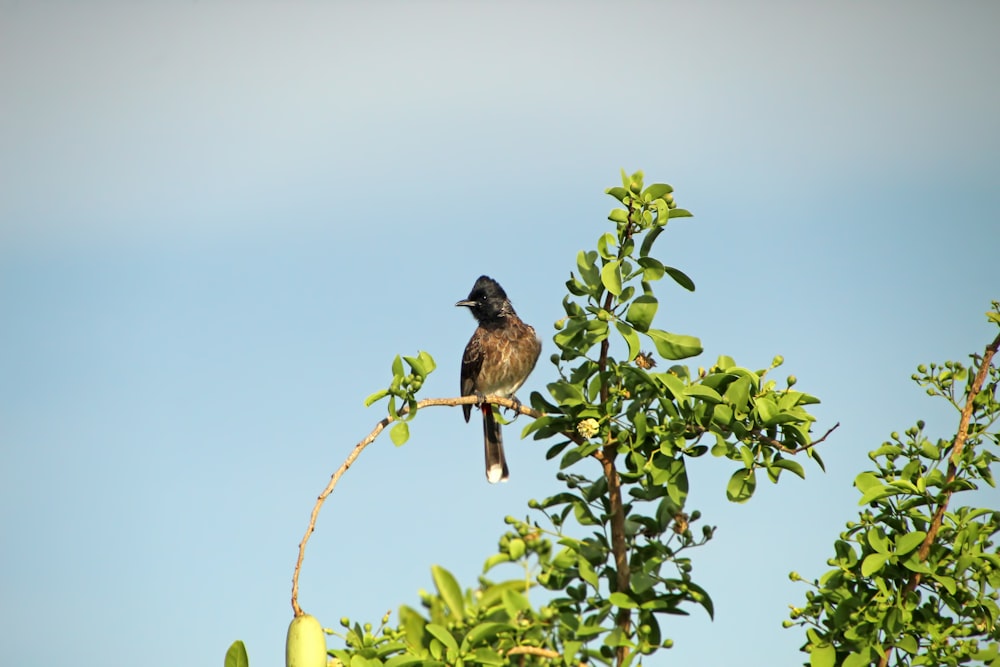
(875, 493)
(566, 394)
(860, 659)
(449, 590)
(487, 656)
(587, 572)
(766, 409)
(236, 656)
(441, 633)
(397, 367)
(705, 393)
(495, 560)
(589, 630)
(741, 486)
(823, 656)
(738, 393)
(657, 190)
(514, 603)
(640, 582)
(672, 473)
(631, 338)
(485, 632)
(793, 466)
(674, 346)
(867, 480)
(516, 547)
(699, 595)
(400, 433)
(652, 269)
(622, 600)
(404, 661)
(617, 193)
(679, 276)
(914, 564)
(647, 243)
(946, 581)
(878, 540)
(723, 416)
(721, 446)
(680, 213)
(618, 215)
(586, 264)
(674, 384)
(873, 563)
(377, 396)
(494, 595)
(606, 245)
(642, 311)
(611, 277)
(907, 543)
(417, 365)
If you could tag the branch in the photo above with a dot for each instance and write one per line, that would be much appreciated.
(509, 403)
(790, 450)
(956, 454)
(533, 650)
(617, 509)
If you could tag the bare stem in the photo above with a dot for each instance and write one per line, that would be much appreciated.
(606, 456)
(369, 439)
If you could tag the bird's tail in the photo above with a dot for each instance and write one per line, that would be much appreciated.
(496, 462)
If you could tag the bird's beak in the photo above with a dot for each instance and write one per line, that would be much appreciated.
(466, 303)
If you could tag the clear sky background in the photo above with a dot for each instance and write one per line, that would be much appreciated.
(219, 221)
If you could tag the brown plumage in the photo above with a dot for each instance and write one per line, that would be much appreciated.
(498, 359)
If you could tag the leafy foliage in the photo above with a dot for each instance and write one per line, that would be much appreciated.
(612, 547)
(404, 388)
(915, 580)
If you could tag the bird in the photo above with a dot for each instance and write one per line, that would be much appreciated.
(498, 359)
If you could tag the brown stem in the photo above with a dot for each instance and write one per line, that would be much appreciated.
(533, 650)
(956, 454)
(789, 450)
(369, 439)
(618, 546)
(606, 456)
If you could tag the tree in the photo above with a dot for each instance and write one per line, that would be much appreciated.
(613, 546)
(915, 578)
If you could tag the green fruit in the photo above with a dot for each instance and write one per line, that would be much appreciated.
(305, 645)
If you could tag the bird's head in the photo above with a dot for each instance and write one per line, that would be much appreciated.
(487, 300)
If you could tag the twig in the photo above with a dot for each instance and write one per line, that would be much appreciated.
(790, 450)
(369, 439)
(533, 650)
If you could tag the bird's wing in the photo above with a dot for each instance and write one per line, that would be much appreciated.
(472, 362)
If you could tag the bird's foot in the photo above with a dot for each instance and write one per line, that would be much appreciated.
(516, 408)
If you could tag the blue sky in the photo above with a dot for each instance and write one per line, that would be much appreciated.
(220, 221)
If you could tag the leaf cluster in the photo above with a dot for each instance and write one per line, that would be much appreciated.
(403, 391)
(610, 553)
(915, 579)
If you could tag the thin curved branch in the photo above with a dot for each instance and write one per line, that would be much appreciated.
(790, 450)
(369, 439)
(534, 650)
